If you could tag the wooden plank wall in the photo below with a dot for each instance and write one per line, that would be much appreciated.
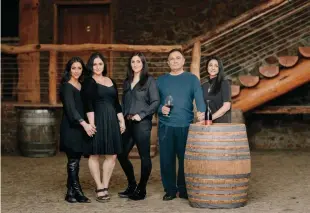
(29, 70)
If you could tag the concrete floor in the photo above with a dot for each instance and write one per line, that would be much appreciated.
(280, 182)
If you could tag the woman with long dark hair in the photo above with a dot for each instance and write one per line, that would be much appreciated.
(217, 90)
(104, 111)
(140, 101)
(72, 127)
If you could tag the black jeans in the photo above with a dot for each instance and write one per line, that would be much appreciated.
(138, 133)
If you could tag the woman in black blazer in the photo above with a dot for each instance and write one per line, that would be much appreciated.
(140, 102)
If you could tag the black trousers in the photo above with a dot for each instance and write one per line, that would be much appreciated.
(138, 133)
(172, 143)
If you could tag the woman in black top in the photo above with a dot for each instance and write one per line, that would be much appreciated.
(72, 133)
(217, 90)
(140, 101)
(104, 111)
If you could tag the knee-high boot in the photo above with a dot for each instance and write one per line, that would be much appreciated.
(73, 171)
(70, 194)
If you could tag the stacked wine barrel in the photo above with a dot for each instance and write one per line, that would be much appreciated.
(217, 165)
(37, 132)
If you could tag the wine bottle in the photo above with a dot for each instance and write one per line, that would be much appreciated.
(208, 114)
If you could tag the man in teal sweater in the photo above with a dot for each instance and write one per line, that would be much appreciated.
(184, 87)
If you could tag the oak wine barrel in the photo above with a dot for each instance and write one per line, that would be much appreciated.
(37, 132)
(217, 165)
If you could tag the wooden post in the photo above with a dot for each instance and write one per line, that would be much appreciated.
(196, 54)
(52, 74)
(195, 67)
(29, 69)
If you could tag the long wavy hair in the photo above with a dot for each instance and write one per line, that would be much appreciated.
(67, 73)
(144, 74)
(90, 64)
(216, 85)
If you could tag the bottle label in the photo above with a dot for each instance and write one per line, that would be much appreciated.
(208, 122)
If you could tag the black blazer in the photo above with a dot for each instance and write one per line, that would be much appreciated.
(141, 100)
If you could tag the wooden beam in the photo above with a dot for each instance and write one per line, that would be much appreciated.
(29, 105)
(89, 2)
(237, 22)
(304, 51)
(52, 80)
(85, 47)
(29, 64)
(248, 80)
(235, 90)
(269, 71)
(288, 61)
(196, 55)
(283, 110)
(268, 89)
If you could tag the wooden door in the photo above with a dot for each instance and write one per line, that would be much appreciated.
(79, 24)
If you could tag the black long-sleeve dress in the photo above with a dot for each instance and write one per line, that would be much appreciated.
(72, 134)
(103, 101)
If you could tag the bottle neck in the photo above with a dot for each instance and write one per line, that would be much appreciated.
(208, 104)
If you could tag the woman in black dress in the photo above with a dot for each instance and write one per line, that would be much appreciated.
(217, 90)
(104, 111)
(140, 102)
(72, 127)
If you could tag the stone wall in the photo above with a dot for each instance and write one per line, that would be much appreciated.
(282, 131)
(8, 129)
(279, 131)
(174, 21)
(158, 21)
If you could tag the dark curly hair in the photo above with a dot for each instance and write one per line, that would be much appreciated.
(67, 73)
(90, 64)
(144, 74)
(216, 86)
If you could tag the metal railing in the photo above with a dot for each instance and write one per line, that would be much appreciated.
(245, 48)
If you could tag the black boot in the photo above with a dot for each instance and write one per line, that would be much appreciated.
(73, 171)
(70, 194)
(130, 189)
(139, 194)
